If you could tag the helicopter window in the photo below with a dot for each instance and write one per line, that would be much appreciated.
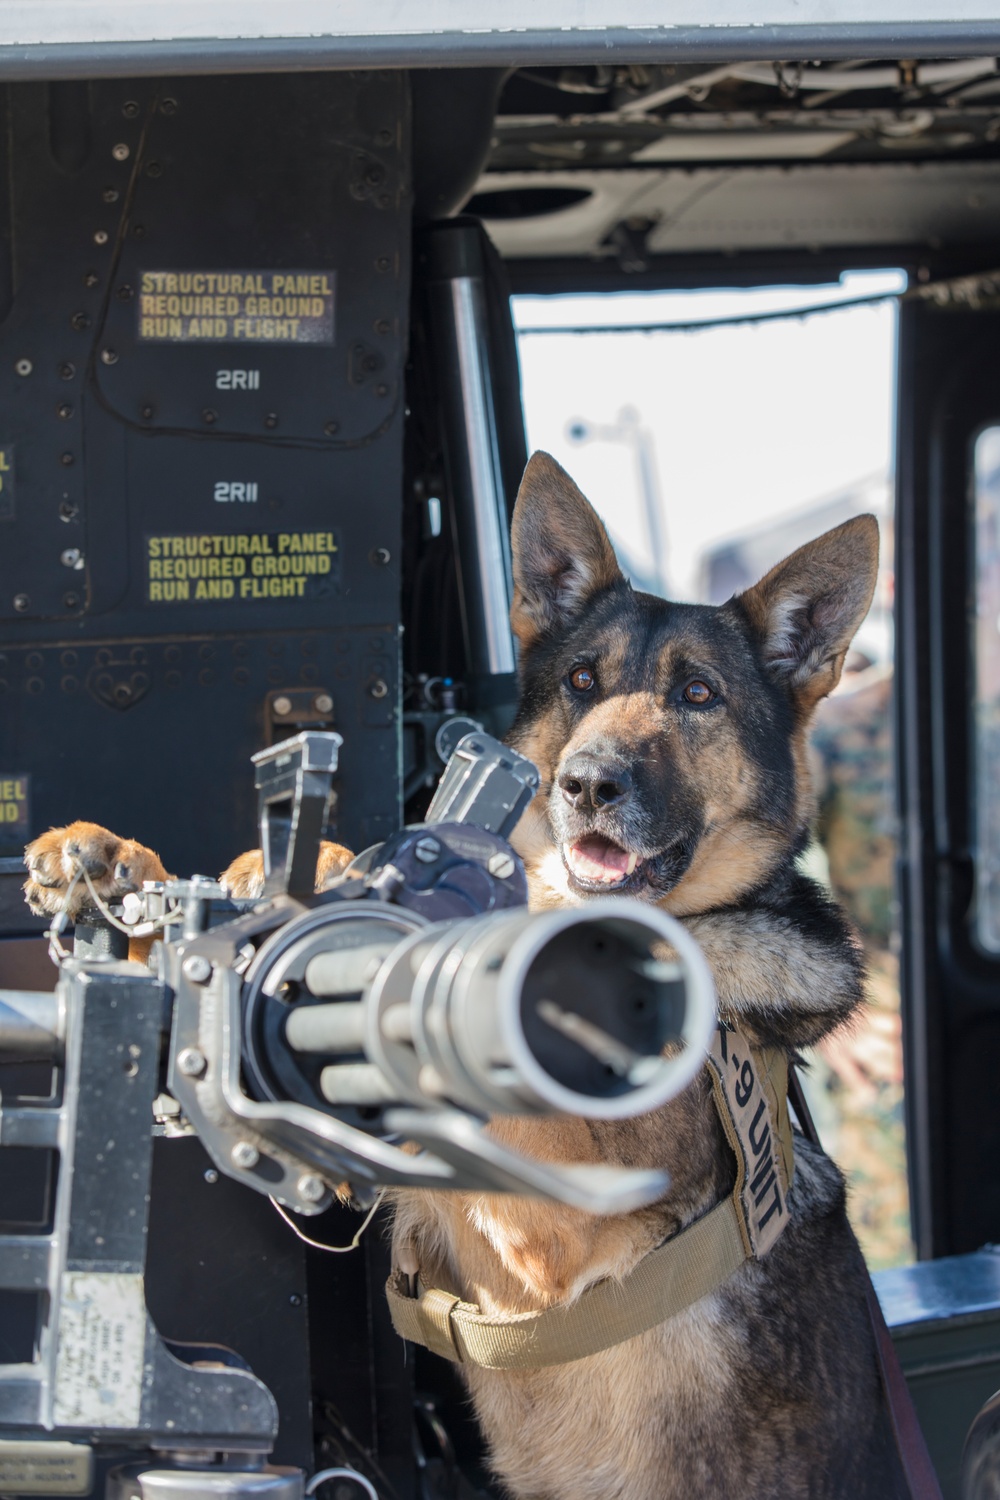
(715, 431)
(986, 637)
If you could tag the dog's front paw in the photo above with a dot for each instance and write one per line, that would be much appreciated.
(244, 878)
(58, 860)
(333, 861)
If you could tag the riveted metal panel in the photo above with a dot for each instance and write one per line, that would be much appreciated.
(203, 527)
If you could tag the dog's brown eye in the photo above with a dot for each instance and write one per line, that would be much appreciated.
(581, 678)
(699, 693)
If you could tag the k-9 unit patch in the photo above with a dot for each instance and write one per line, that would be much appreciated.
(750, 1088)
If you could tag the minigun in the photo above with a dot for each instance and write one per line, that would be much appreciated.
(360, 1036)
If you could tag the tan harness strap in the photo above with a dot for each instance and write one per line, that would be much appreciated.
(750, 1088)
(665, 1282)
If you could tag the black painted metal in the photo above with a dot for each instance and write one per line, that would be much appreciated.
(142, 714)
(120, 441)
(443, 605)
(93, 937)
(949, 390)
(244, 1287)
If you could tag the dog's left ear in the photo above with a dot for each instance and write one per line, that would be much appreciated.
(806, 610)
(562, 553)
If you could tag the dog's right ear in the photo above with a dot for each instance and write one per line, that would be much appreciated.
(562, 554)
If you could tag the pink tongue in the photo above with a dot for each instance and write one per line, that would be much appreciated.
(596, 858)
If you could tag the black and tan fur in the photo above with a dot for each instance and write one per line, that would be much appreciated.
(768, 1388)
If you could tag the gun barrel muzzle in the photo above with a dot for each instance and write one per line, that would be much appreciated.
(604, 1011)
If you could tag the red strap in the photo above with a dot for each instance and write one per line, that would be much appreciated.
(910, 1442)
(911, 1445)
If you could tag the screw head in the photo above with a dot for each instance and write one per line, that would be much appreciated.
(66, 459)
(154, 169)
(66, 370)
(21, 603)
(209, 416)
(68, 511)
(168, 106)
(23, 367)
(427, 850)
(121, 152)
(100, 236)
(145, 413)
(109, 195)
(323, 703)
(125, 293)
(197, 968)
(71, 557)
(109, 357)
(271, 420)
(79, 321)
(191, 1062)
(501, 865)
(64, 410)
(379, 688)
(71, 601)
(382, 264)
(244, 1155)
(381, 390)
(380, 556)
(310, 1188)
(282, 705)
(211, 1176)
(130, 109)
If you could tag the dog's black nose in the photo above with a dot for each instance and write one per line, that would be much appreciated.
(590, 782)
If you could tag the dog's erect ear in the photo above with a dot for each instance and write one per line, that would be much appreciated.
(562, 555)
(806, 610)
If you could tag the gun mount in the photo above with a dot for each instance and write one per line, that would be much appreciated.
(306, 1039)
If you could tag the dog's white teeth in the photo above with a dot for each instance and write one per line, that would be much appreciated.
(633, 860)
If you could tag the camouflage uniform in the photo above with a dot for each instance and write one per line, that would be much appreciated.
(862, 1123)
(852, 742)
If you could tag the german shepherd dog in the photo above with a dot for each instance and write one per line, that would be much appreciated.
(671, 741)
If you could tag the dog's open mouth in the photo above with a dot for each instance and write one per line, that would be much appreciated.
(596, 862)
